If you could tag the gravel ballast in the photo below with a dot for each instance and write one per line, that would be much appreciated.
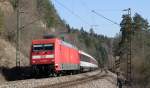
(109, 81)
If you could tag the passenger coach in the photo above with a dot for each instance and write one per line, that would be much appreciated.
(87, 62)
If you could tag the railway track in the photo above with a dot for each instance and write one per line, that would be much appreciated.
(60, 82)
(76, 82)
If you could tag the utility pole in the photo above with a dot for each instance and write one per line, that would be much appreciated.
(129, 51)
(18, 34)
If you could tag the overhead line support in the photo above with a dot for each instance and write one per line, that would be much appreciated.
(129, 53)
(18, 34)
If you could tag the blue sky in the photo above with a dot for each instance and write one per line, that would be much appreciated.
(112, 9)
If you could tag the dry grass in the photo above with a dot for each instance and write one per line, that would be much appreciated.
(8, 55)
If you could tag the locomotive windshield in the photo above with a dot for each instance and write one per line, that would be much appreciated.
(41, 47)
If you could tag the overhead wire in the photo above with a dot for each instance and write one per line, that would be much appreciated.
(84, 4)
(105, 18)
(109, 10)
(73, 13)
(88, 9)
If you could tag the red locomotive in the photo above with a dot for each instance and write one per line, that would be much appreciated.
(54, 56)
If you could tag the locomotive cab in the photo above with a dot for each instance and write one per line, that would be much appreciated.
(42, 56)
(42, 53)
(52, 56)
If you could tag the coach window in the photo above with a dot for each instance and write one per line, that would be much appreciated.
(92, 61)
(84, 58)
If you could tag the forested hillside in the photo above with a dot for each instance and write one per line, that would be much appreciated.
(140, 34)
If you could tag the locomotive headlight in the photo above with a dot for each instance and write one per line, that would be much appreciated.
(36, 57)
(50, 56)
(33, 61)
(56, 65)
(53, 60)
